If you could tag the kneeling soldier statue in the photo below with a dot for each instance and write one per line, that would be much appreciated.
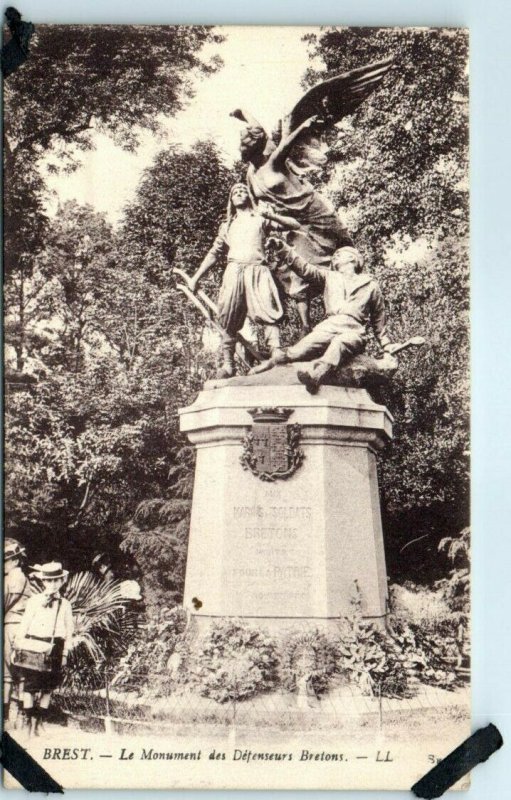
(353, 303)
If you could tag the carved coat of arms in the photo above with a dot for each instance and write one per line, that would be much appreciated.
(271, 449)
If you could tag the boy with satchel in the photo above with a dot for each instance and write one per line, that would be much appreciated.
(43, 642)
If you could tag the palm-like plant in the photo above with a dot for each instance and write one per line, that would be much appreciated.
(456, 589)
(456, 547)
(103, 623)
(457, 585)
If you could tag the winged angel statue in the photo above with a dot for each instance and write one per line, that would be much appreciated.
(279, 196)
(278, 167)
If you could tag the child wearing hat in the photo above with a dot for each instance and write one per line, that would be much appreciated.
(16, 593)
(48, 618)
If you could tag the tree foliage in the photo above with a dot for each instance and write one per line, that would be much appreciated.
(80, 81)
(96, 458)
(397, 170)
(91, 376)
(117, 80)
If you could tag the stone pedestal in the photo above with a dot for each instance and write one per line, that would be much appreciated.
(286, 552)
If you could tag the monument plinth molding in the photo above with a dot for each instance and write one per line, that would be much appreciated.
(287, 551)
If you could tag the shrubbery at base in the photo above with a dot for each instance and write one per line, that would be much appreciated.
(235, 661)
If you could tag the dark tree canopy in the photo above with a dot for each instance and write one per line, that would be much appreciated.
(115, 79)
(79, 80)
(95, 455)
(398, 171)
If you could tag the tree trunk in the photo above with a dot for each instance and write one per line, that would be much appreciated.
(20, 342)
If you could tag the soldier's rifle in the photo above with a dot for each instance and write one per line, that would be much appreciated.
(415, 341)
(207, 308)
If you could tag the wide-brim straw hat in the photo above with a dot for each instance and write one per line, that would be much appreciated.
(53, 569)
(13, 549)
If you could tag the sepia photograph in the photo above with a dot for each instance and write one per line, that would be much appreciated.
(237, 411)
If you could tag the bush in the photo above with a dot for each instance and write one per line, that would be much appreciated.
(146, 661)
(312, 656)
(372, 659)
(420, 605)
(456, 587)
(234, 662)
(420, 645)
(431, 654)
(430, 625)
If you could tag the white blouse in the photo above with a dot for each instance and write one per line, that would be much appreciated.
(39, 620)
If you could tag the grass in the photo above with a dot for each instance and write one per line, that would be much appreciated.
(272, 712)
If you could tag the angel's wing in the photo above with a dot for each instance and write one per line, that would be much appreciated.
(339, 96)
(324, 105)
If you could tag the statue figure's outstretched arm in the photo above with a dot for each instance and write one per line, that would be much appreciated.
(379, 319)
(283, 151)
(284, 222)
(245, 116)
(212, 257)
(298, 264)
(209, 261)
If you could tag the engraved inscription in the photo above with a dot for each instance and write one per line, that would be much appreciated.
(262, 534)
(282, 512)
(273, 573)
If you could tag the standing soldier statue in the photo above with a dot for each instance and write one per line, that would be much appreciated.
(248, 289)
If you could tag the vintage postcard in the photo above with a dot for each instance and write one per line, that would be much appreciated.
(236, 327)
